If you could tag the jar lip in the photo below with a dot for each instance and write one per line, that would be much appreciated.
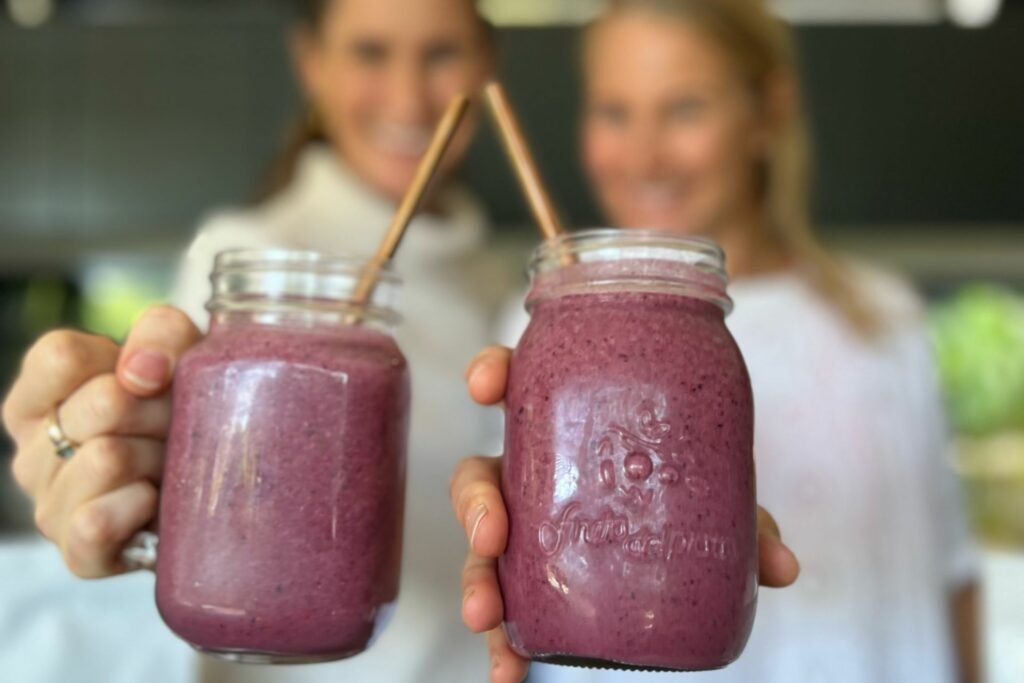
(308, 261)
(581, 243)
(300, 282)
(606, 260)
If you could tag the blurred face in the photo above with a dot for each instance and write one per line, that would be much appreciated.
(671, 136)
(380, 74)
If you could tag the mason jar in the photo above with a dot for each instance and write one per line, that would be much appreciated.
(628, 471)
(282, 496)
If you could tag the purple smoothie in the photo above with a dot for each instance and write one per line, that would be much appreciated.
(629, 480)
(282, 497)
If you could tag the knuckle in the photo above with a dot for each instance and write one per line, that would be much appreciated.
(455, 480)
(172, 321)
(43, 519)
(21, 472)
(9, 412)
(59, 353)
(471, 461)
(108, 457)
(108, 402)
(476, 569)
(149, 500)
(477, 490)
(76, 561)
(93, 526)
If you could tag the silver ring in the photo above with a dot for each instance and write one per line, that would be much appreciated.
(63, 447)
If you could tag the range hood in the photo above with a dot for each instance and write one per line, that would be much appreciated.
(862, 11)
(965, 12)
(502, 12)
(30, 13)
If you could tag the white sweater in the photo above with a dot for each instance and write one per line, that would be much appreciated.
(850, 445)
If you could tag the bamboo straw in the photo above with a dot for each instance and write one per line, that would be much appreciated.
(522, 161)
(410, 203)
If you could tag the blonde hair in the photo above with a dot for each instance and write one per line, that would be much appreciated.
(761, 48)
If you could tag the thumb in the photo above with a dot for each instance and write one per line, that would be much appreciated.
(487, 375)
(157, 341)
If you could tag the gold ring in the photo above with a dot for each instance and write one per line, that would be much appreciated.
(62, 445)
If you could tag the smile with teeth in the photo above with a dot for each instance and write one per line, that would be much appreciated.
(400, 140)
(655, 196)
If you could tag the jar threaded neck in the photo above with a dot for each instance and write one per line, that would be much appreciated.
(294, 282)
(609, 260)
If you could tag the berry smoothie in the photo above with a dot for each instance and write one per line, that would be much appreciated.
(282, 496)
(629, 482)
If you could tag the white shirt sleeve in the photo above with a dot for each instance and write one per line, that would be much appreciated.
(961, 557)
(960, 560)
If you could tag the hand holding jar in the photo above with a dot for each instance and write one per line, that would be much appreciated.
(621, 527)
(282, 481)
(111, 405)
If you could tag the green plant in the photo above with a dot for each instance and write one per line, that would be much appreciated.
(979, 343)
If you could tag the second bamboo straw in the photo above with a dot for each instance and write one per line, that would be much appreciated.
(410, 203)
(512, 137)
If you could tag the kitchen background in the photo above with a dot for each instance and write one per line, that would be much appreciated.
(122, 122)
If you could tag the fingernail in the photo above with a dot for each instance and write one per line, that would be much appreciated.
(148, 369)
(476, 516)
(474, 372)
(467, 595)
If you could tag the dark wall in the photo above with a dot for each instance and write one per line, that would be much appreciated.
(126, 129)
(140, 129)
(918, 124)
(912, 124)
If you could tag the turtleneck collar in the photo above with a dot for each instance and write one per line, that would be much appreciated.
(329, 208)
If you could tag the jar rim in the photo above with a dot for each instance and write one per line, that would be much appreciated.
(702, 251)
(634, 259)
(300, 282)
(279, 258)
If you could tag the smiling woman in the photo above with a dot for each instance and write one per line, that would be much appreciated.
(377, 77)
(691, 125)
(693, 122)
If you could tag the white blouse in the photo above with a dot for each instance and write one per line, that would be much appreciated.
(850, 446)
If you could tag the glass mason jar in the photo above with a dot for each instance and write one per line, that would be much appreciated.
(282, 495)
(628, 472)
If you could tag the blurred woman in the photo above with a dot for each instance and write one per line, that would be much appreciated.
(377, 76)
(692, 124)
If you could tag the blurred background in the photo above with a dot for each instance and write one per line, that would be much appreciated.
(123, 122)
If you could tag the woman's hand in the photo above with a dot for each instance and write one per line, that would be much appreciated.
(112, 403)
(476, 496)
